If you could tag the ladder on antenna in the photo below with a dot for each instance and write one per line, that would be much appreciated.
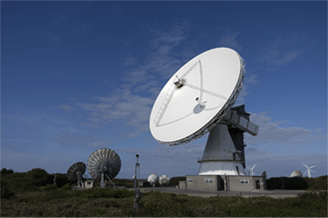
(164, 105)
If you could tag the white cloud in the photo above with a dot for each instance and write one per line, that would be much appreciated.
(160, 62)
(129, 61)
(280, 51)
(64, 107)
(229, 40)
(122, 106)
(74, 139)
(171, 36)
(58, 19)
(87, 26)
(81, 27)
(53, 40)
(50, 37)
(272, 133)
(125, 42)
(249, 79)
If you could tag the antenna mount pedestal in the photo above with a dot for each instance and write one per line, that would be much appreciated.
(224, 152)
(220, 155)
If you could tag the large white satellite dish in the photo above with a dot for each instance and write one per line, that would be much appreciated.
(197, 96)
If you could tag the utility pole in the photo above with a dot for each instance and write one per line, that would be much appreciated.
(55, 178)
(137, 193)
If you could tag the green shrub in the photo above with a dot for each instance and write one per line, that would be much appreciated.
(122, 182)
(39, 177)
(108, 193)
(174, 181)
(296, 183)
(319, 183)
(5, 171)
(66, 187)
(21, 185)
(61, 179)
(50, 187)
(6, 193)
(28, 186)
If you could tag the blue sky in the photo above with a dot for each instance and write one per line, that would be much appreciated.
(79, 76)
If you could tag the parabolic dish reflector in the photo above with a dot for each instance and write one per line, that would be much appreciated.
(104, 160)
(76, 171)
(197, 96)
(164, 180)
(152, 178)
(296, 173)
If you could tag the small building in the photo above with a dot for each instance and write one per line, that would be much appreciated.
(89, 183)
(144, 184)
(227, 183)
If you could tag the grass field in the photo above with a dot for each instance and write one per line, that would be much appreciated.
(32, 194)
(119, 202)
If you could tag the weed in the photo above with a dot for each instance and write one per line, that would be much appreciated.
(49, 187)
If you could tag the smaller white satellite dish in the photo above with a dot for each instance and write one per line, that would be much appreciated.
(164, 180)
(296, 173)
(152, 178)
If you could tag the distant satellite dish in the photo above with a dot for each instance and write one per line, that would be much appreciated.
(197, 96)
(152, 178)
(164, 180)
(103, 163)
(75, 173)
(296, 173)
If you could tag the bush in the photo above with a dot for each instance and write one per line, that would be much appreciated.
(5, 171)
(50, 187)
(27, 186)
(22, 185)
(39, 177)
(6, 193)
(319, 183)
(122, 182)
(296, 183)
(174, 181)
(61, 179)
(17, 182)
(108, 193)
(66, 187)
